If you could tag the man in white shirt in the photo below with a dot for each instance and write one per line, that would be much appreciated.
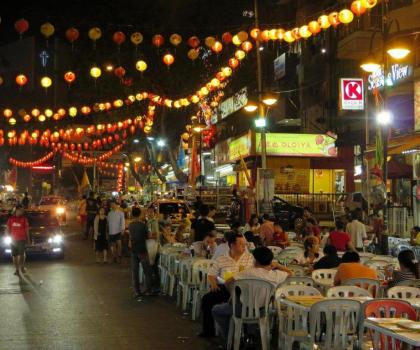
(264, 270)
(357, 232)
(224, 268)
(116, 227)
(206, 247)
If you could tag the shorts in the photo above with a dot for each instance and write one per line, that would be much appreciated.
(114, 238)
(18, 248)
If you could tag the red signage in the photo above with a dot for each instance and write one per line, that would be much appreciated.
(351, 94)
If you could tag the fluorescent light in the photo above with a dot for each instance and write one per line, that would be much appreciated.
(56, 250)
(150, 138)
(357, 170)
(161, 143)
(136, 140)
(206, 154)
(384, 117)
(260, 123)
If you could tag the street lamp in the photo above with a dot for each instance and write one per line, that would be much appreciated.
(260, 123)
(398, 49)
(269, 99)
(161, 143)
(251, 106)
(370, 65)
(384, 117)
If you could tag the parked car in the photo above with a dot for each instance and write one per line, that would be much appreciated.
(46, 237)
(288, 215)
(56, 205)
(174, 208)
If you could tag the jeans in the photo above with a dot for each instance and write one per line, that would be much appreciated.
(222, 314)
(209, 300)
(151, 272)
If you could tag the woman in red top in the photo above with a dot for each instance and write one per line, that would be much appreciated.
(340, 239)
(280, 237)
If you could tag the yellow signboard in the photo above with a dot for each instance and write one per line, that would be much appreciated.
(240, 147)
(298, 145)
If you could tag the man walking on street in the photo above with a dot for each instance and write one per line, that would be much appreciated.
(116, 225)
(91, 211)
(357, 231)
(18, 229)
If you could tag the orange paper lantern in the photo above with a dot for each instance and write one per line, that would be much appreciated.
(168, 59)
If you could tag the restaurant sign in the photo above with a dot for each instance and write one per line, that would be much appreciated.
(299, 145)
(240, 147)
(397, 73)
(234, 103)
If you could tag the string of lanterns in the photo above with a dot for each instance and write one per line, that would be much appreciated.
(120, 178)
(107, 173)
(334, 18)
(47, 137)
(31, 164)
(84, 160)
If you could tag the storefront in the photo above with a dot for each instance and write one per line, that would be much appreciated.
(302, 163)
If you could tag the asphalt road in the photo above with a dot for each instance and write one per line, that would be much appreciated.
(77, 304)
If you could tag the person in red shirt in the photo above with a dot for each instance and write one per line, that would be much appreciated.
(18, 229)
(339, 238)
(280, 238)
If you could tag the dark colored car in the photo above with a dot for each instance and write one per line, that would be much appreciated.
(286, 214)
(45, 234)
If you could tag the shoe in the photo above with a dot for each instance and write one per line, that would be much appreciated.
(205, 335)
(23, 269)
(17, 273)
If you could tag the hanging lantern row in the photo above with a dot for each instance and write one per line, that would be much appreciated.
(47, 137)
(37, 162)
(218, 82)
(72, 34)
(84, 160)
(120, 178)
(107, 173)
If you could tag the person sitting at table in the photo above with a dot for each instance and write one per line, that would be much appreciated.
(266, 230)
(206, 247)
(339, 238)
(223, 248)
(250, 238)
(166, 235)
(253, 225)
(351, 267)
(415, 235)
(264, 270)
(330, 260)
(224, 267)
(311, 252)
(280, 238)
(312, 228)
(409, 268)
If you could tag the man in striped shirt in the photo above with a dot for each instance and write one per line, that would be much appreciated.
(224, 268)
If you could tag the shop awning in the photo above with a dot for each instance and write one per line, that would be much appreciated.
(398, 145)
(397, 170)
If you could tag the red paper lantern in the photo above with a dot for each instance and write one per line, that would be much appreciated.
(21, 80)
(193, 42)
(110, 139)
(233, 63)
(217, 47)
(21, 26)
(72, 34)
(226, 38)
(86, 146)
(246, 46)
(119, 72)
(333, 19)
(118, 37)
(69, 77)
(358, 8)
(158, 40)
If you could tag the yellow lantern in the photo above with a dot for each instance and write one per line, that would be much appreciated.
(95, 33)
(304, 32)
(345, 16)
(72, 111)
(118, 103)
(323, 21)
(185, 102)
(193, 54)
(369, 3)
(204, 91)
(288, 37)
(47, 29)
(280, 34)
(175, 39)
(41, 118)
(227, 71)
(35, 112)
(136, 38)
(242, 35)
(141, 65)
(12, 121)
(272, 34)
(236, 40)
(215, 82)
(46, 82)
(195, 99)
(95, 72)
(209, 41)
(333, 19)
(177, 104)
(314, 27)
(7, 113)
(240, 55)
(246, 46)
(48, 113)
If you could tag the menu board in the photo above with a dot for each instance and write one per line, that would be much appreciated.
(291, 180)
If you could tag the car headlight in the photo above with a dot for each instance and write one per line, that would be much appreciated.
(60, 210)
(7, 240)
(58, 239)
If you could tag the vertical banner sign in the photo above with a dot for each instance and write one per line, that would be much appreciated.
(265, 189)
(351, 94)
(280, 67)
(417, 105)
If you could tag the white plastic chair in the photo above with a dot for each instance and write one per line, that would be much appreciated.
(371, 285)
(296, 290)
(200, 270)
(409, 283)
(324, 278)
(297, 270)
(403, 292)
(172, 272)
(298, 280)
(347, 292)
(338, 318)
(188, 281)
(275, 250)
(252, 306)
